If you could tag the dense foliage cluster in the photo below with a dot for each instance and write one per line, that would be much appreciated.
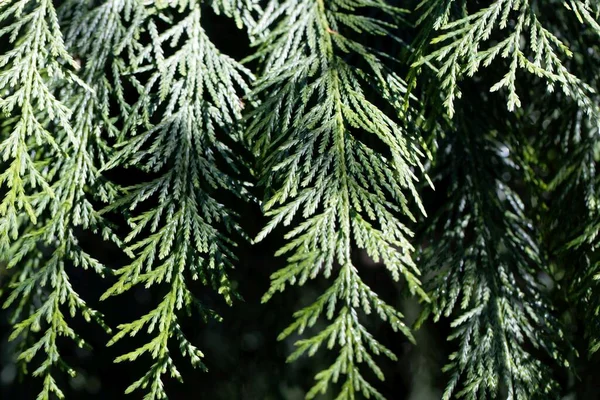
(455, 143)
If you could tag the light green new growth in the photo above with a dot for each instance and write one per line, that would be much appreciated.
(308, 134)
(192, 95)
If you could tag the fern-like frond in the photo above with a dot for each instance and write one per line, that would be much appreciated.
(312, 132)
(188, 109)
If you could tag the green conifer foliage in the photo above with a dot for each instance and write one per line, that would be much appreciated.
(348, 194)
(189, 98)
(149, 127)
(464, 46)
(52, 162)
(488, 259)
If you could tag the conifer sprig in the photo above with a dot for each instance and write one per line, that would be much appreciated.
(188, 109)
(587, 13)
(41, 290)
(465, 46)
(308, 135)
(243, 12)
(487, 263)
(29, 69)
